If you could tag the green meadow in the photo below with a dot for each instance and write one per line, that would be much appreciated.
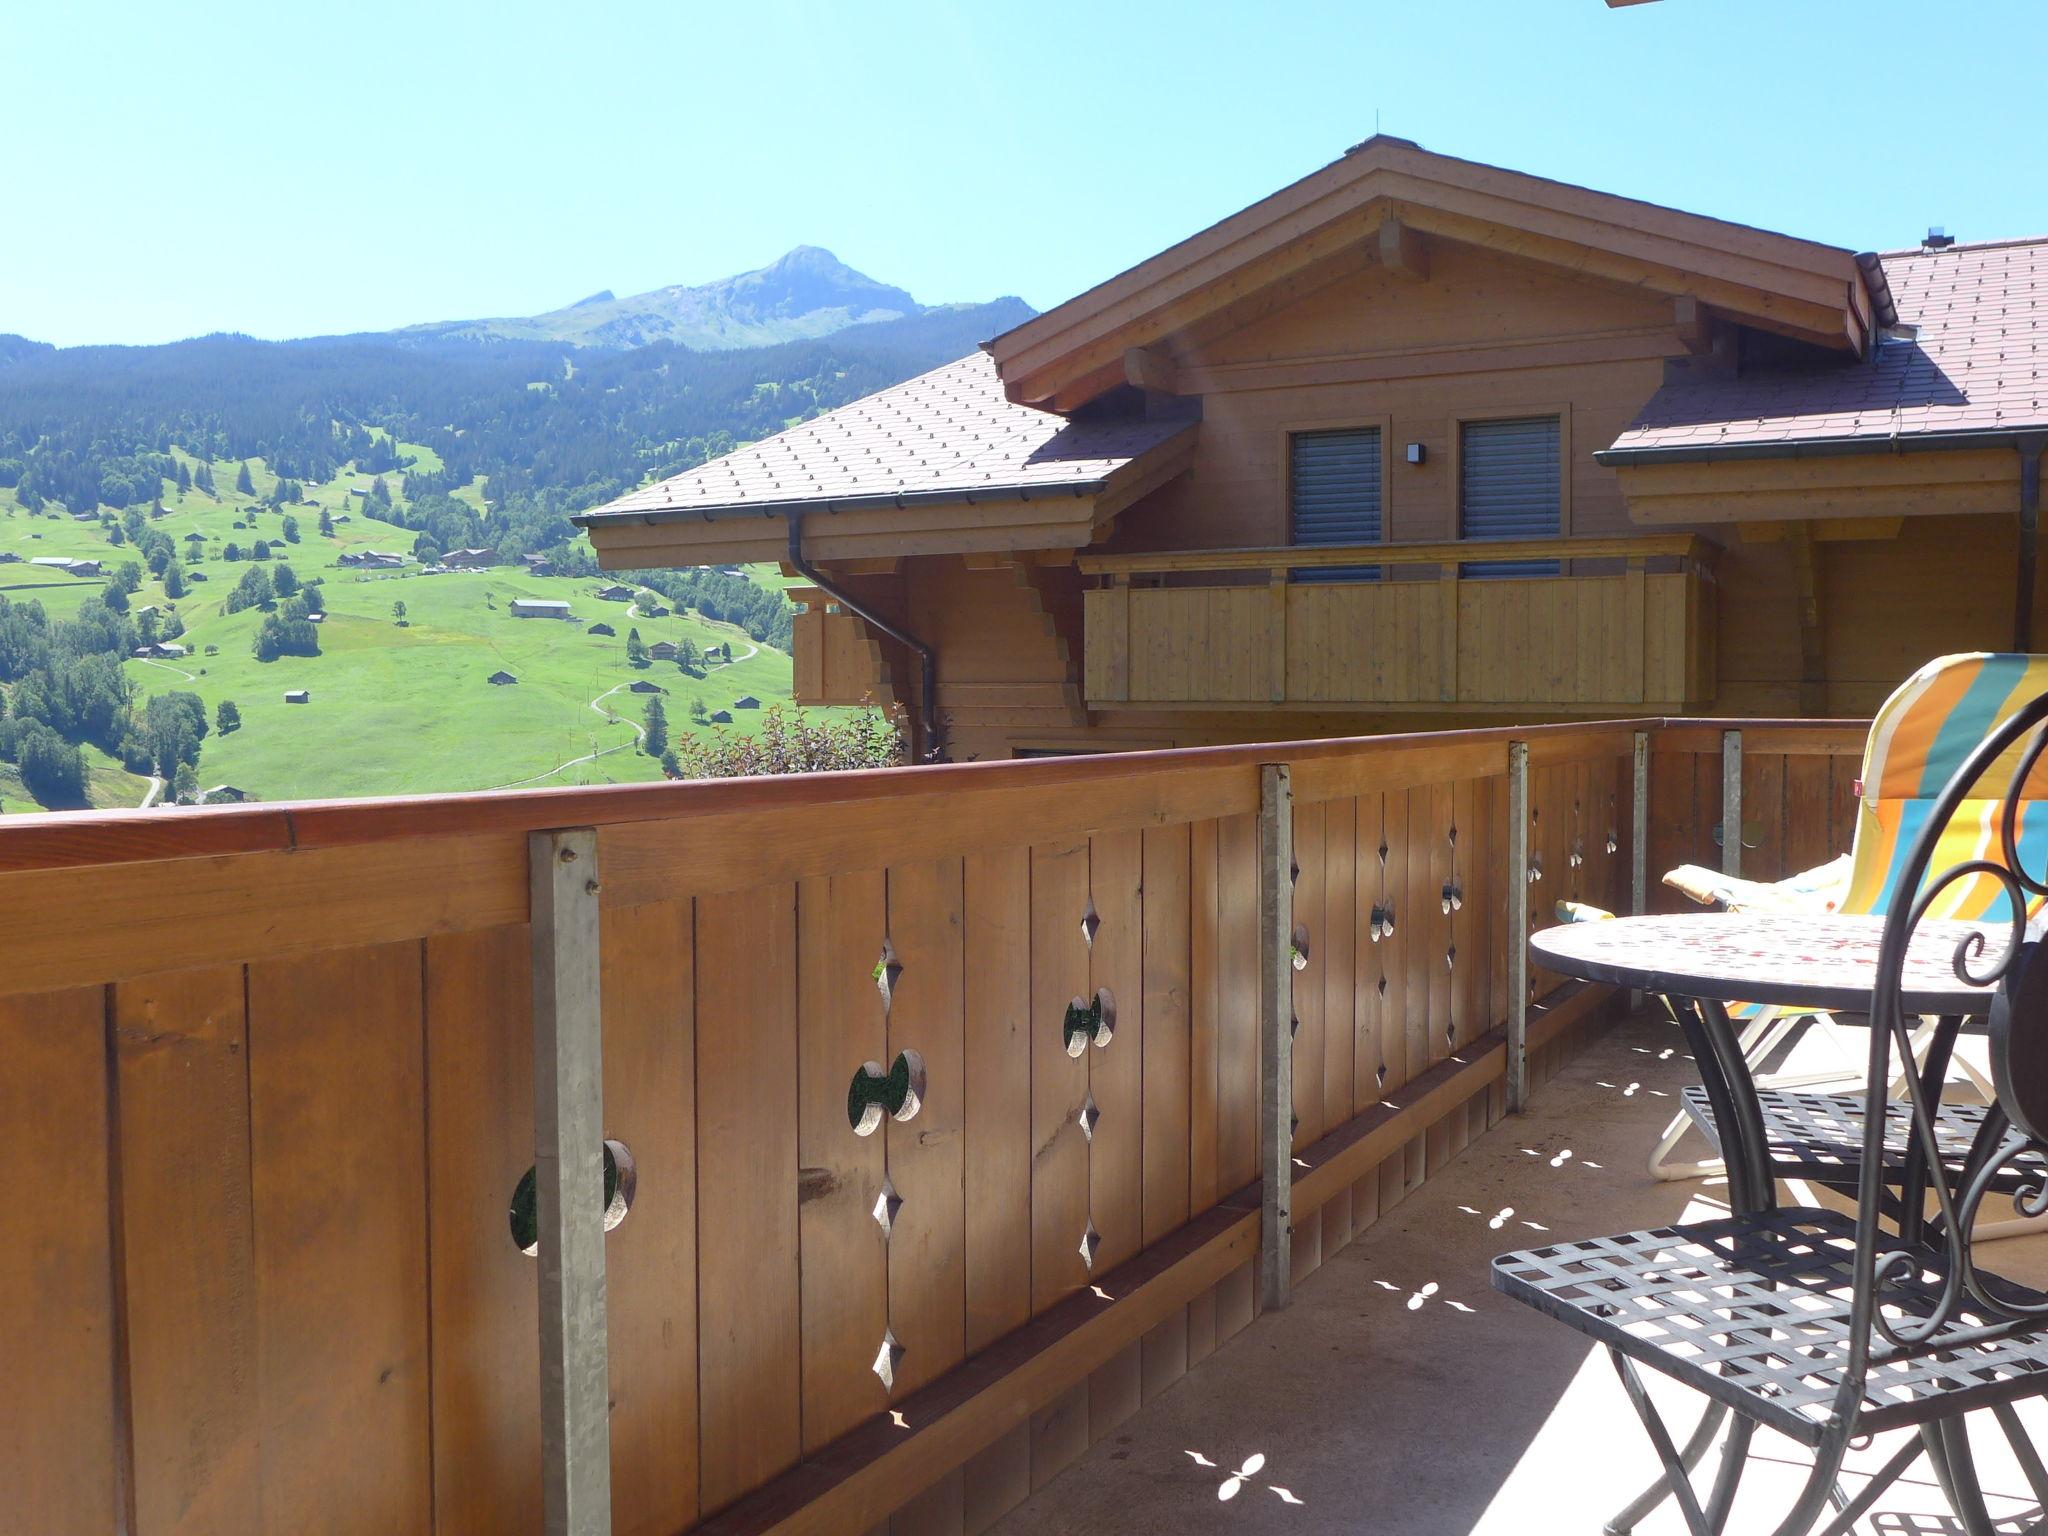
(394, 708)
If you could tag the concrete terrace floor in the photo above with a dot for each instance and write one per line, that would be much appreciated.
(1400, 1395)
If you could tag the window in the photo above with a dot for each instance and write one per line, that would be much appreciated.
(1509, 488)
(1334, 491)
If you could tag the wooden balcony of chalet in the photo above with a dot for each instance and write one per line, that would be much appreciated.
(1614, 625)
(955, 1115)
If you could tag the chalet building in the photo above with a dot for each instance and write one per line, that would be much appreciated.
(662, 650)
(746, 701)
(1414, 442)
(540, 608)
(469, 559)
(642, 685)
(501, 679)
(297, 696)
(372, 559)
(616, 594)
(67, 565)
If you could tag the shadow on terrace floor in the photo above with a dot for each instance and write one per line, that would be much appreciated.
(1401, 1396)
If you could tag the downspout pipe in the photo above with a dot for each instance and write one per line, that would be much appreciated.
(2030, 447)
(927, 659)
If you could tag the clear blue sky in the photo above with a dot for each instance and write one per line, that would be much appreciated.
(297, 169)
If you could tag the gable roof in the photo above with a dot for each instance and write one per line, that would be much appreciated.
(1968, 360)
(1370, 205)
(947, 435)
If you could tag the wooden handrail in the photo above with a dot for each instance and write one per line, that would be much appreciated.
(1686, 546)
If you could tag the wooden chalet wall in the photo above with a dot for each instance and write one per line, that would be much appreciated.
(270, 1092)
(1483, 336)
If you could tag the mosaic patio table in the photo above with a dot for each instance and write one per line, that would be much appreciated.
(1701, 962)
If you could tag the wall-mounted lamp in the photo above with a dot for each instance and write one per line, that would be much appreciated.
(1417, 454)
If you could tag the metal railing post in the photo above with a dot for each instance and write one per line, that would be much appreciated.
(1731, 802)
(1518, 926)
(568, 1160)
(1276, 1034)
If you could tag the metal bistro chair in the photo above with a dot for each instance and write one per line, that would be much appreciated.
(1828, 1327)
(1918, 740)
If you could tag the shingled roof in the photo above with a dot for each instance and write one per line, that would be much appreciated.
(947, 435)
(1969, 356)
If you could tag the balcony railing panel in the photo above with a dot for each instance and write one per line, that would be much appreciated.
(939, 1088)
(1633, 638)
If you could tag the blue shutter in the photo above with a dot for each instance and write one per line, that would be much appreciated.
(1508, 477)
(1335, 481)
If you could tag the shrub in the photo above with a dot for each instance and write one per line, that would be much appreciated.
(789, 741)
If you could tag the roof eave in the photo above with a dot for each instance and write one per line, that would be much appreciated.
(801, 506)
(1822, 447)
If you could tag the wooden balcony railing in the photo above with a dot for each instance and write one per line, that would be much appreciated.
(1635, 638)
(940, 1089)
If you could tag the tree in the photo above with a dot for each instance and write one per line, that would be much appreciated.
(698, 713)
(280, 636)
(260, 550)
(688, 657)
(252, 591)
(129, 574)
(116, 595)
(655, 744)
(51, 767)
(284, 581)
(398, 613)
(636, 648)
(226, 717)
(185, 785)
(173, 725)
(291, 529)
(232, 552)
(202, 477)
(174, 582)
(670, 766)
(326, 524)
(243, 483)
(184, 477)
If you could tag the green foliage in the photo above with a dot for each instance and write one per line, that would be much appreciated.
(291, 525)
(227, 717)
(174, 582)
(279, 635)
(51, 767)
(398, 611)
(284, 581)
(243, 483)
(636, 648)
(790, 742)
(185, 785)
(173, 725)
(254, 590)
(655, 744)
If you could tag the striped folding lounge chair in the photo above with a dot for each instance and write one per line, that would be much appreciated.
(1918, 740)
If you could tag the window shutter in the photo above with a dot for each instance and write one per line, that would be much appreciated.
(1508, 474)
(1335, 480)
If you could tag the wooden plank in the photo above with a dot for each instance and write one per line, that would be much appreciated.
(747, 1290)
(927, 1272)
(1166, 1086)
(1338, 958)
(1116, 1069)
(1059, 1080)
(1115, 1391)
(60, 1460)
(1205, 1169)
(480, 1144)
(337, 1132)
(650, 1100)
(181, 1055)
(1305, 983)
(1807, 812)
(997, 1150)
(841, 925)
(1237, 1012)
(1165, 1354)
(1276, 935)
(1059, 1434)
(1266, 557)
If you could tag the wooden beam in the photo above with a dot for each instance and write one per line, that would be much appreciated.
(1403, 251)
(1685, 546)
(1695, 324)
(1518, 928)
(568, 1161)
(1148, 368)
(1813, 669)
(1833, 530)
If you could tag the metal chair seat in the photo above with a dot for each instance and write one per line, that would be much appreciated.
(1819, 1136)
(1755, 1312)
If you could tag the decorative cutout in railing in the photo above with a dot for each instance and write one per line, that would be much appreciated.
(1454, 895)
(620, 1182)
(873, 1094)
(1298, 951)
(887, 969)
(1089, 1020)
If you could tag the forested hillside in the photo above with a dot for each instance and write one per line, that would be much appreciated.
(130, 474)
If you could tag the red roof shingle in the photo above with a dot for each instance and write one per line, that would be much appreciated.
(1970, 355)
(950, 431)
